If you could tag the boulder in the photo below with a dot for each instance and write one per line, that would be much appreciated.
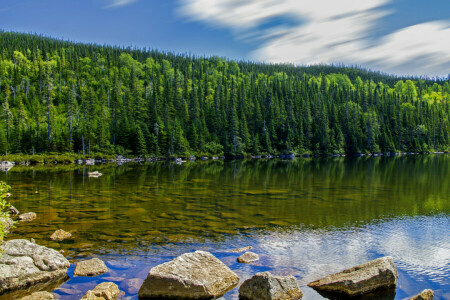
(378, 274)
(92, 267)
(248, 257)
(39, 296)
(265, 286)
(24, 264)
(103, 291)
(197, 275)
(424, 295)
(13, 211)
(27, 217)
(60, 235)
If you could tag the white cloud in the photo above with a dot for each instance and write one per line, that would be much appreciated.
(118, 3)
(330, 31)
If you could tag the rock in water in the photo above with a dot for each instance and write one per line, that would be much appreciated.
(378, 274)
(248, 257)
(424, 295)
(13, 211)
(243, 249)
(265, 286)
(60, 235)
(39, 296)
(24, 264)
(27, 217)
(92, 267)
(197, 275)
(103, 291)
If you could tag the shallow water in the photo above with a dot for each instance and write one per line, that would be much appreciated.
(305, 217)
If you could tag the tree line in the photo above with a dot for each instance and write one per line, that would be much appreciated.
(59, 96)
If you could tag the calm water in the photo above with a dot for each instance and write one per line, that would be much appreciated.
(305, 217)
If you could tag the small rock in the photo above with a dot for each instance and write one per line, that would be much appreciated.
(60, 235)
(94, 174)
(248, 257)
(13, 211)
(239, 250)
(27, 217)
(61, 251)
(378, 274)
(92, 267)
(39, 296)
(103, 291)
(265, 286)
(32, 241)
(424, 295)
(198, 275)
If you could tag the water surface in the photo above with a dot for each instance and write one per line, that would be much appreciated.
(305, 217)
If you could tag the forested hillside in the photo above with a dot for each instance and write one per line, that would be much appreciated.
(58, 96)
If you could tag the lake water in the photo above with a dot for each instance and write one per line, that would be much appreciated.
(304, 217)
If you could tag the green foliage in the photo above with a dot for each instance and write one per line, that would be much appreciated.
(62, 97)
(4, 205)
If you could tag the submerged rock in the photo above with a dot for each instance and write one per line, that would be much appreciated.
(379, 274)
(27, 217)
(60, 235)
(248, 257)
(131, 286)
(265, 286)
(39, 296)
(243, 249)
(103, 291)
(92, 267)
(197, 275)
(424, 295)
(24, 264)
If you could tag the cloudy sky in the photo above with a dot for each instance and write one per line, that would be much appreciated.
(405, 37)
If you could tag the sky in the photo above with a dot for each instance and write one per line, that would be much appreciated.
(402, 37)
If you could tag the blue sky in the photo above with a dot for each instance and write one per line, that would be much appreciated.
(396, 36)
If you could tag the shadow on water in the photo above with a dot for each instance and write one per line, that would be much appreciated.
(319, 215)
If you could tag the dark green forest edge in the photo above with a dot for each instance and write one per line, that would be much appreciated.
(82, 99)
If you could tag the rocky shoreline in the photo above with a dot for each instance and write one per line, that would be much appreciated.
(119, 160)
(31, 272)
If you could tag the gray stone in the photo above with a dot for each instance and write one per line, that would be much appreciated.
(379, 274)
(27, 217)
(248, 257)
(424, 295)
(24, 264)
(197, 275)
(103, 291)
(39, 296)
(265, 286)
(92, 267)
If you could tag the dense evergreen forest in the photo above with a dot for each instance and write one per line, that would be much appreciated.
(58, 96)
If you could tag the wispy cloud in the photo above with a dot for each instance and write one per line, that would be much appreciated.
(118, 3)
(330, 31)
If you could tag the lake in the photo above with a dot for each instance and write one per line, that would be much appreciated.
(304, 217)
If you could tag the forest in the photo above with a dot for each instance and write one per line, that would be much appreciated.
(64, 97)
